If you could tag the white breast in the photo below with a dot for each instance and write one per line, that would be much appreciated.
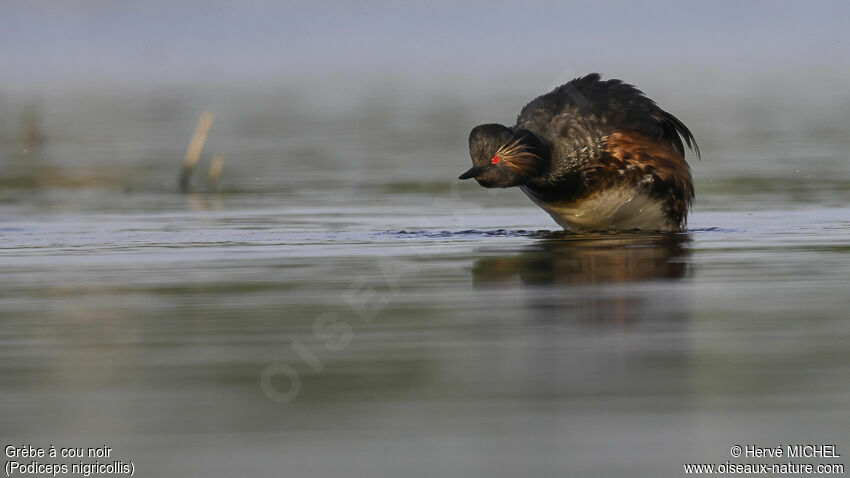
(620, 209)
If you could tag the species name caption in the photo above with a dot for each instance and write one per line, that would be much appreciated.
(52, 460)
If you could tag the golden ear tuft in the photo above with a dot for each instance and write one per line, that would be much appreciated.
(516, 156)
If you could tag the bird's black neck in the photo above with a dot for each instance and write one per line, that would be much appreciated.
(562, 188)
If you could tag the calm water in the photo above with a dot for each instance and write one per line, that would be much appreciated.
(415, 326)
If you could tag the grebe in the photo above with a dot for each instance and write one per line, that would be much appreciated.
(595, 155)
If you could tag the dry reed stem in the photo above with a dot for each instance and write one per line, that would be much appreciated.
(215, 169)
(196, 145)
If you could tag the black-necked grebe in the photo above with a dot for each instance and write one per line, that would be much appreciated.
(595, 155)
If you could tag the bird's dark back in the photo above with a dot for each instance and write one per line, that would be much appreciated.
(601, 107)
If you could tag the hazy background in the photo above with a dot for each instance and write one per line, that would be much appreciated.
(46, 44)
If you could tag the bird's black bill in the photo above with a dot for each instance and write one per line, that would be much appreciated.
(473, 171)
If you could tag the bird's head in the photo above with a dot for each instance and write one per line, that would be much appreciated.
(503, 157)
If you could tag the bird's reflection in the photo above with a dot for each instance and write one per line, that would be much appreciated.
(582, 259)
(597, 276)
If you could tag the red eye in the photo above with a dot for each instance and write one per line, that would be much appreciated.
(495, 160)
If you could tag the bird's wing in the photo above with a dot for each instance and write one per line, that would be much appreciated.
(604, 107)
